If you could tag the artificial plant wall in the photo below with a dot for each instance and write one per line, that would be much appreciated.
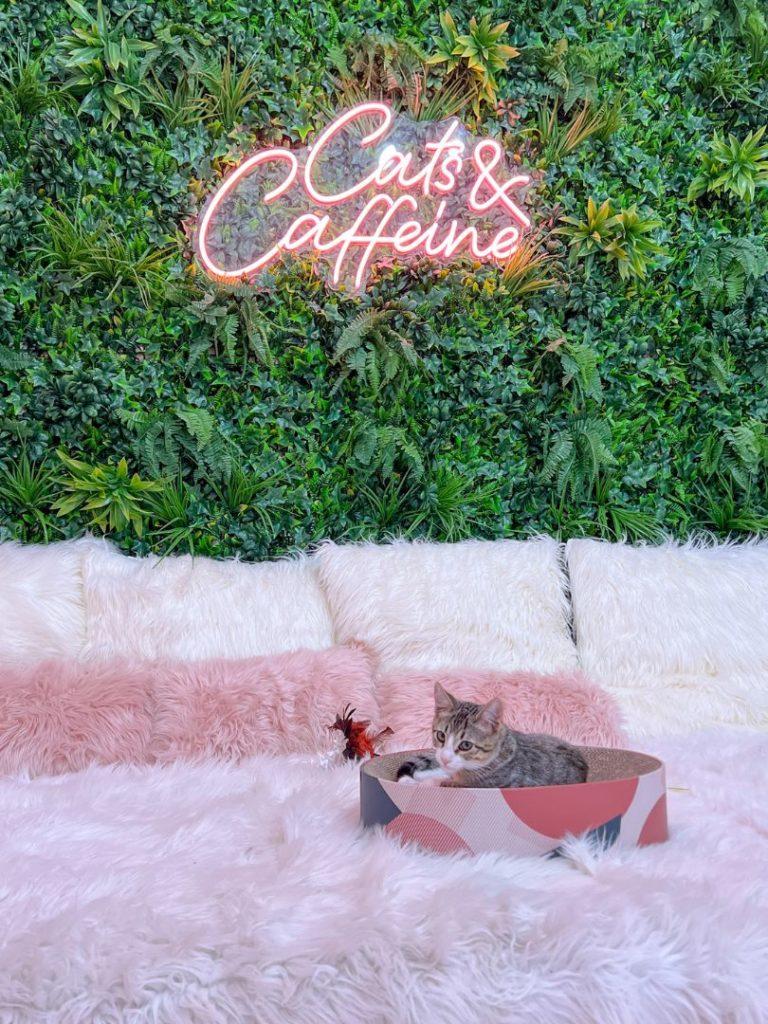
(610, 381)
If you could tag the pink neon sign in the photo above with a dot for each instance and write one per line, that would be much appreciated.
(374, 187)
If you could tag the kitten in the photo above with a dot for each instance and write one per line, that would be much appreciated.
(473, 747)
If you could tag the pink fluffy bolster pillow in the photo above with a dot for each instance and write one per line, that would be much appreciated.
(279, 704)
(61, 716)
(565, 704)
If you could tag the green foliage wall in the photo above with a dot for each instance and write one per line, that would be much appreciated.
(447, 405)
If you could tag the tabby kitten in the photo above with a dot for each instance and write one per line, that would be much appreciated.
(473, 747)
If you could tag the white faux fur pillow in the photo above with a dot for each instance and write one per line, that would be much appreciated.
(477, 604)
(41, 610)
(679, 633)
(187, 608)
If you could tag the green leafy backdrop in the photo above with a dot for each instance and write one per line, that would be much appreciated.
(615, 386)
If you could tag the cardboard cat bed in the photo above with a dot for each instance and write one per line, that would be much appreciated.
(623, 801)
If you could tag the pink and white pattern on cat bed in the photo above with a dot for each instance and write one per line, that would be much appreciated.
(623, 802)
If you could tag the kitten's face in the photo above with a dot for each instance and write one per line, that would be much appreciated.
(465, 735)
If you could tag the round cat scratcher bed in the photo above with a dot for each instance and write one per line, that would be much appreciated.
(623, 801)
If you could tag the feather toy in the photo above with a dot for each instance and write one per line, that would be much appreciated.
(361, 743)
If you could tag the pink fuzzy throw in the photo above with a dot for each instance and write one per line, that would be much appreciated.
(59, 716)
(565, 704)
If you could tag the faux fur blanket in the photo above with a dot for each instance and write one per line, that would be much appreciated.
(209, 894)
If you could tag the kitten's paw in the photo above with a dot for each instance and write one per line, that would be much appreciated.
(407, 780)
(432, 777)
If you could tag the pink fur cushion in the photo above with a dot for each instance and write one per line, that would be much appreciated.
(565, 704)
(275, 704)
(59, 716)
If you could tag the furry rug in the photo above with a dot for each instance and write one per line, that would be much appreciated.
(210, 893)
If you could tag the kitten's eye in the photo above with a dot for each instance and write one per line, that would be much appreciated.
(440, 736)
(464, 745)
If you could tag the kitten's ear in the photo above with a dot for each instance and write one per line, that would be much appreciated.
(443, 700)
(490, 713)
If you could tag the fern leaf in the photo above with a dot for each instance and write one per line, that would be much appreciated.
(228, 335)
(197, 350)
(199, 423)
(373, 370)
(580, 363)
(366, 444)
(559, 455)
(354, 334)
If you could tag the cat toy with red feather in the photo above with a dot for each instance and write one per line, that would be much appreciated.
(360, 742)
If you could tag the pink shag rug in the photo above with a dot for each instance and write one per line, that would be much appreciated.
(217, 894)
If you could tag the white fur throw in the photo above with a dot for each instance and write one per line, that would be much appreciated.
(209, 894)
(678, 632)
(476, 604)
(186, 608)
(41, 612)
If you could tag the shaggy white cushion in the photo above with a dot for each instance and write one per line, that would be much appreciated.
(679, 633)
(478, 604)
(41, 609)
(186, 608)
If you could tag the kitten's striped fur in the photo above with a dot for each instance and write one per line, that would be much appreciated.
(473, 747)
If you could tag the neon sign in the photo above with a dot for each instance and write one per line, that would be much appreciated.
(375, 187)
